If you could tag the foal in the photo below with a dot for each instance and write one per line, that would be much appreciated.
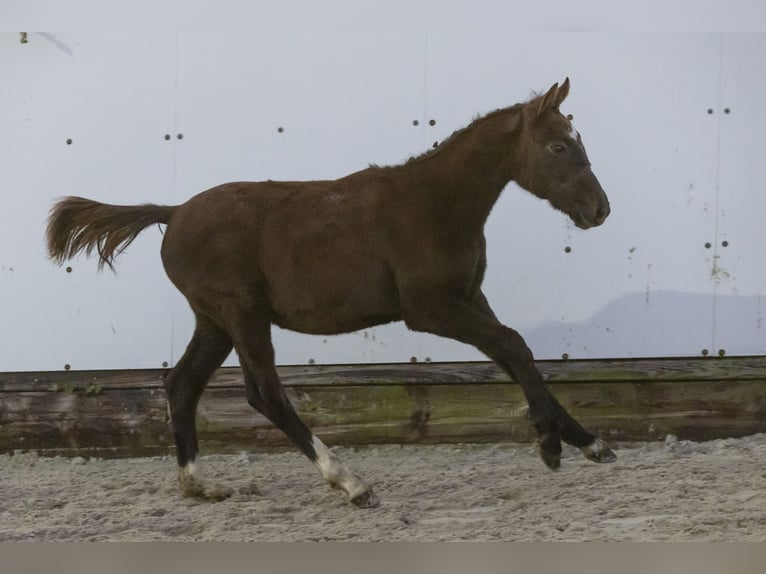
(327, 257)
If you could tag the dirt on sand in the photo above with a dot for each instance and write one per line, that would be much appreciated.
(675, 490)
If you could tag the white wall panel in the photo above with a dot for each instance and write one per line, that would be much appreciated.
(111, 95)
(644, 284)
(737, 257)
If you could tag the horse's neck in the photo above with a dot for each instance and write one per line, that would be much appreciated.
(466, 176)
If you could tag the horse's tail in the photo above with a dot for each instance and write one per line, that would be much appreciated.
(76, 224)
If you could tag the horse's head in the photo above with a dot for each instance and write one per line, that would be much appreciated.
(556, 167)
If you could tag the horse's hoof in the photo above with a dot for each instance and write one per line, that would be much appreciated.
(551, 459)
(192, 487)
(367, 499)
(599, 451)
(550, 450)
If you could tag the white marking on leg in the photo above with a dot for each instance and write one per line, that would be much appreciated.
(599, 451)
(192, 484)
(191, 469)
(335, 472)
(596, 446)
(189, 477)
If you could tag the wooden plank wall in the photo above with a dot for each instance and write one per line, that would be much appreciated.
(123, 413)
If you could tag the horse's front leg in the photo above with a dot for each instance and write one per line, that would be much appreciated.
(474, 323)
(572, 432)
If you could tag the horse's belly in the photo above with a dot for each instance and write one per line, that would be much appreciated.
(331, 324)
(324, 318)
(325, 304)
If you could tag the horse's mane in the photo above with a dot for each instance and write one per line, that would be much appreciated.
(478, 121)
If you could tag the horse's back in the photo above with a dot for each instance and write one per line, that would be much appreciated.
(308, 251)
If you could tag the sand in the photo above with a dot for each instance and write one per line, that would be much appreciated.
(675, 490)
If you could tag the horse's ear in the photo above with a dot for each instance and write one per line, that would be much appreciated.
(552, 98)
(563, 92)
(544, 103)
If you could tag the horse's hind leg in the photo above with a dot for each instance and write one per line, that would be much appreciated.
(209, 347)
(266, 394)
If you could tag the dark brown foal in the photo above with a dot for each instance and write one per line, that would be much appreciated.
(327, 257)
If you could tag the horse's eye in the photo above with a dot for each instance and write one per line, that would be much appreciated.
(557, 147)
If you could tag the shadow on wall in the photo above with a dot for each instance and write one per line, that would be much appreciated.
(657, 324)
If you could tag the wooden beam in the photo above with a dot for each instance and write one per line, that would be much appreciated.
(123, 413)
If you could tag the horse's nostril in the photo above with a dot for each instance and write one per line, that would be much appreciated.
(602, 214)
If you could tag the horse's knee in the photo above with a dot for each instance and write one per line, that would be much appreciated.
(518, 348)
(273, 405)
(254, 398)
(511, 350)
(181, 404)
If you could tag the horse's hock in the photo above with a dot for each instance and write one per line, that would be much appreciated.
(124, 413)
